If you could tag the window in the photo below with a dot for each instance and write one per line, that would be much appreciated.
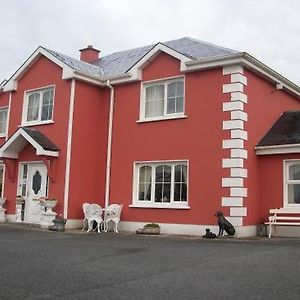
(1, 179)
(39, 106)
(292, 184)
(163, 99)
(3, 121)
(161, 184)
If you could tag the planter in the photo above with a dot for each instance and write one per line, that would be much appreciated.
(48, 204)
(2, 201)
(151, 229)
(59, 224)
(20, 200)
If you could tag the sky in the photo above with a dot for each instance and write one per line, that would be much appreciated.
(267, 29)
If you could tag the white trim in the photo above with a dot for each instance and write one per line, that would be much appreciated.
(160, 206)
(239, 115)
(233, 143)
(232, 201)
(239, 78)
(235, 221)
(69, 148)
(238, 192)
(238, 211)
(232, 182)
(238, 172)
(109, 143)
(231, 69)
(232, 163)
(239, 153)
(171, 117)
(233, 105)
(277, 149)
(26, 136)
(233, 87)
(233, 124)
(239, 134)
(238, 96)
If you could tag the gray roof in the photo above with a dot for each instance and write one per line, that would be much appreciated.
(285, 131)
(41, 139)
(120, 62)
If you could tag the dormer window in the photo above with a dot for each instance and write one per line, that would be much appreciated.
(38, 106)
(162, 99)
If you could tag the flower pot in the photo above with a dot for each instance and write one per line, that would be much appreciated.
(149, 230)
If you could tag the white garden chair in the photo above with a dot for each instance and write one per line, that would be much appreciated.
(112, 214)
(92, 212)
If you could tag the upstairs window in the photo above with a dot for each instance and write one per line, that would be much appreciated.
(39, 106)
(163, 99)
(3, 121)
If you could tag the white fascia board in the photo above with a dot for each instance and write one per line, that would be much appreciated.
(277, 149)
(11, 85)
(247, 61)
(154, 52)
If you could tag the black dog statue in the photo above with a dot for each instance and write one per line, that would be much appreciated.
(224, 224)
(209, 234)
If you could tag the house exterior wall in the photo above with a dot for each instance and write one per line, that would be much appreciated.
(41, 74)
(89, 144)
(196, 138)
(265, 176)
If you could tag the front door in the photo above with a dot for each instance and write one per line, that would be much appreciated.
(34, 186)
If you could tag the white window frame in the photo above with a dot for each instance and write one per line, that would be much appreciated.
(4, 134)
(165, 116)
(152, 204)
(27, 93)
(286, 182)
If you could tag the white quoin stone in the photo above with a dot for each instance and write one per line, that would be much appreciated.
(239, 134)
(232, 201)
(233, 124)
(232, 163)
(231, 69)
(233, 143)
(233, 87)
(238, 96)
(235, 105)
(238, 172)
(232, 182)
(239, 115)
(238, 211)
(235, 221)
(239, 78)
(238, 192)
(241, 153)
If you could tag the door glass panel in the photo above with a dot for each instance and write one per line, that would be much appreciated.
(36, 182)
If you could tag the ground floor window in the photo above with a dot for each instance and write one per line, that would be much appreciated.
(1, 179)
(161, 183)
(292, 183)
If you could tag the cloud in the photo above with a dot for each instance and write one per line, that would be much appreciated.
(269, 29)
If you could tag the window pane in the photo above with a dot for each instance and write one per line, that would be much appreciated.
(175, 97)
(180, 183)
(33, 107)
(47, 105)
(154, 101)
(294, 172)
(158, 192)
(293, 193)
(3, 120)
(36, 182)
(1, 180)
(144, 183)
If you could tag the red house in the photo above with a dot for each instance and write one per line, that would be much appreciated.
(174, 131)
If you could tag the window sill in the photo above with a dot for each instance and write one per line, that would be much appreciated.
(2, 135)
(164, 206)
(161, 119)
(37, 123)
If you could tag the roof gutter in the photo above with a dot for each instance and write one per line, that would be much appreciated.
(109, 142)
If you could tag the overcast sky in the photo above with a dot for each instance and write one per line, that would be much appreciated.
(266, 29)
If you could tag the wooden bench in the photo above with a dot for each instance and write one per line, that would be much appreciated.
(283, 217)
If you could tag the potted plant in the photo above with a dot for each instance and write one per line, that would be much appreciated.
(20, 199)
(150, 228)
(59, 223)
(48, 203)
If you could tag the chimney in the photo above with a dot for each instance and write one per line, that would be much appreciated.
(89, 54)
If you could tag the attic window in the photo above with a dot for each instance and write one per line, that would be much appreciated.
(162, 99)
(38, 106)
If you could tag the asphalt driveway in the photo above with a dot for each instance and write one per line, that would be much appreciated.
(40, 264)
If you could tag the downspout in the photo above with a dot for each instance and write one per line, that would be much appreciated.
(109, 142)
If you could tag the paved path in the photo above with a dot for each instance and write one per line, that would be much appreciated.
(40, 264)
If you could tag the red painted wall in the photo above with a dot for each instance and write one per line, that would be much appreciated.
(197, 138)
(265, 104)
(42, 73)
(89, 144)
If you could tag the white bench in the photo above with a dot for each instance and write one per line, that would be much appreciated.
(283, 217)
